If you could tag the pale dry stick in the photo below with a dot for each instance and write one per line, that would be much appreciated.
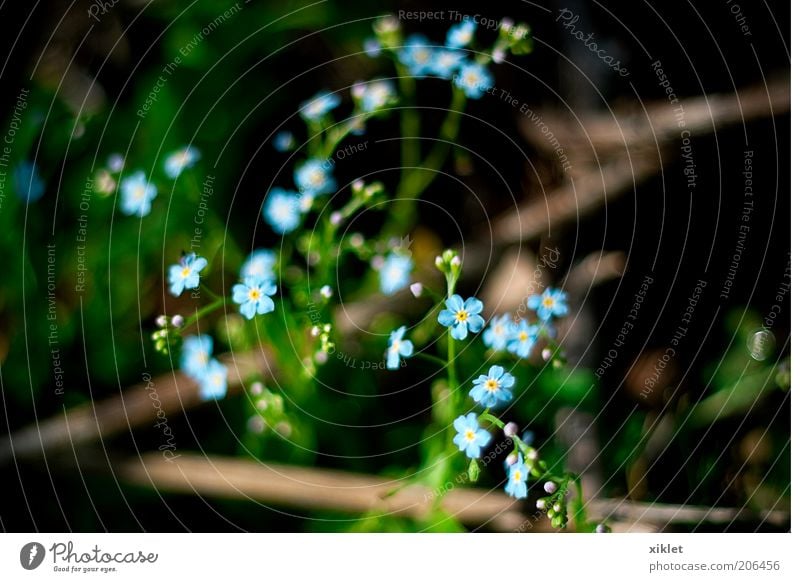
(581, 195)
(602, 133)
(310, 488)
(134, 406)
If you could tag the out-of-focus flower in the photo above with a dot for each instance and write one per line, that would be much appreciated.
(179, 160)
(137, 194)
(398, 347)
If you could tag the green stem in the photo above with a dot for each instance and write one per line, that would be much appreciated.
(430, 358)
(485, 415)
(201, 313)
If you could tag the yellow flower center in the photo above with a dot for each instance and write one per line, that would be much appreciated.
(517, 476)
(254, 294)
(469, 435)
(185, 272)
(396, 346)
(317, 178)
(492, 385)
(548, 302)
(523, 335)
(138, 192)
(461, 316)
(471, 79)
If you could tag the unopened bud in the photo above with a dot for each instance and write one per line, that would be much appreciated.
(416, 289)
(161, 321)
(336, 218)
(547, 353)
(256, 388)
(326, 291)
(510, 429)
(541, 503)
(177, 321)
(550, 487)
(511, 459)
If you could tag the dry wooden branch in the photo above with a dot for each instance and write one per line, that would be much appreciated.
(310, 488)
(597, 134)
(576, 197)
(138, 405)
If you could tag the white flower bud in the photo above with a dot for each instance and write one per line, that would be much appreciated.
(416, 289)
(439, 262)
(498, 56)
(256, 388)
(456, 262)
(326, 292)
(336, 218)
(177, 321)
(161, 321)
(550, 487)
(511, 459)
(315, 331)
(547, 353)
(541, 504)
(321, 357)
(357, 240)
(533, 455)
(510, 429)
(557, 507)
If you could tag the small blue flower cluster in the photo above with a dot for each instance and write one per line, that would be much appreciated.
(138, 192)
(258, 283)
(519, 337)
(422, 57)
(197, 363)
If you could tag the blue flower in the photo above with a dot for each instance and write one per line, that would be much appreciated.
(179, 160)
(372, 47)
(522, 338)
(416, 55)
(552, 302)
(398, 347)
(493, 388)
(282, 210)
(374, 95)
(137, 193)
(186, 274)
(259, 265)
(195, 355)
(253, 296)
(474, 80)
(214, 382)
(27, 182)
(446, 62)
(319, 105)
(496, 334)
(283, 141)
(313, 177)
(461, 316)
(517, 479)
(394, 273)
(471, 437)
(460, 35)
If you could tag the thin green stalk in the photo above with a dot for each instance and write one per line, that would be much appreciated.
(201, 313)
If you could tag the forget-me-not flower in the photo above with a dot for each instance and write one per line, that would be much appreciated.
(186, 274)
(460, 35)
(372, 47)
(253, 296)
(137, 194)
(446, 61)
(374, 95)
(282, 210)
(259, 265)
(471, 437)
(214, 381)
(27, 182)
(395, 273)
(517, 479)
(461, 316)
(522, 338)
(283, 141)
(416, 55)
(314, 177)
(398, 347)
(179, 160)
(195, 355)
(496, 334)
(319, 105)
(552, 302)
(474, 80)
(493, 388)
